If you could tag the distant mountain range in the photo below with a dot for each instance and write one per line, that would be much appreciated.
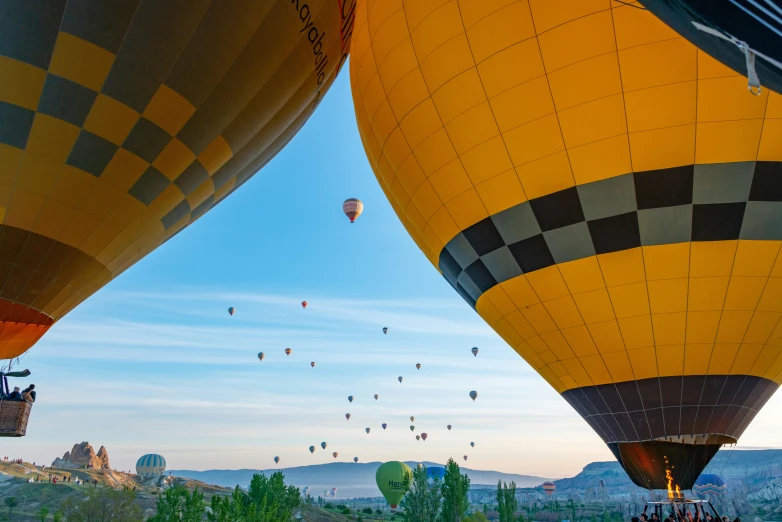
(351, 480)
(740, 468)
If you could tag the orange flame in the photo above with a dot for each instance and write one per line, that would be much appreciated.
(673, 489)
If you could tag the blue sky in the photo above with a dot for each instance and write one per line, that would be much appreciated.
(154, 363)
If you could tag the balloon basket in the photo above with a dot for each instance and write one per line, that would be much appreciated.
(682, 504)
(13, 418)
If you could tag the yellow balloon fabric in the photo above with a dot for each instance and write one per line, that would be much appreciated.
(122, 121)
(605, 195)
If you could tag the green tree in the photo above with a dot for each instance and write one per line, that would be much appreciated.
(103, 505)
(11, 502)
(178, 504)
(423, 500)
(477, 516)
(506, 501)
(454, 490)
(57, 516)
(268, 499)
(43, 513)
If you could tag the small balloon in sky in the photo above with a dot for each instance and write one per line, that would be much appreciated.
(417, 437)
(376, 396)
(288, 351)
(355, 459)
(323, 445)
(260, 356)
(347, 416)
(472, 444)
(350, 398)
(465, 457)
(400, 378)
(412, 419)
(335, 454)
(276, 460)
(424, 436)
(418, 366)
(312, 364)
(312, 449)
(412, 428)
(385, 330)
(367, 430)
(474, 395)
(475, 351)
(449, 427)
(232, 310)
(352, 207)
(384, 425)
(304, 304)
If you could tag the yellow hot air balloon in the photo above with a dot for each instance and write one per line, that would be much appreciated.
(122, 123)
(605, 195)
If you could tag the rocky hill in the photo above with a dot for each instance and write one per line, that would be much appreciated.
(83, 456)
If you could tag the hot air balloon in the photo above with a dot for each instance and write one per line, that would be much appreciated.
(304, 304)
(424, 436)
(417, 437)
(355, 459)
(472, 444)
(333, 492)
(312, 364)
(306, 491)
(367, 430)
(393, 479)
(376, 396)
(150, 465)
(708, 484)
(231, 310)
(335, 454)
(347, 416)
(603, 254)
(260, 356)
(385, 330)
(743, 36)
(124, 123)
(412, 428)
(549, 488)
(288, 351)
(323, 445)
(350, 398)
(435, 472)
(465, 457)
(418, 366)
(312, 449)
(474, 351)
(449, 427)
(384, 425)
(412, 419)
(352, 208)
(400, 378)
(473, 395)
(276, 460)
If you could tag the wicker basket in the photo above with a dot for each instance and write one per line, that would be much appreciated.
(13, 418)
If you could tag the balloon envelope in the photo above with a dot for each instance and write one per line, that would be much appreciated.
(288, 351)
(385, 330)
(474, 395)
(424, 436)
(232, 310)
(260, 356)
(276, 460)
(350, 398)
(151, 465)
(323, 445)
(652, 277)
(367, 430)
(417, 437)
(412, 419)
(312, 364)
(475, 351)
(708, 484)
(449, 427)
(304, 304)
(384, 425)
(312, 449)
(418, 366)
(352, 208)
(154, 112)
(465, 457)
(549, 488)
(376, 396)
(335, 454)
(472, 444)
(347, 416)
(355, 459)
(412, 428)
(399, 378)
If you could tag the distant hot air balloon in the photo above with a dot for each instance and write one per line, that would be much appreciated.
(350, 398)
(276, 460)
(288, 351)
(355, 459)
(333, 492)
(418, 366)
(352, 208)
(474, 395)
(312, 364)
(417, 437)
(412, 419)
(549, 488)
(151, 465)
(304, 304)
(708, 484)
(347, 416)
(312, 449)
(390, 478)
(400, 378)
(367, 430)
(385, 330)
(449, 427)
(306, 491)
(232, 310)
(412, 428)
(465, 457)
(323, 445)
(376, 396)
(424, 436)
(260, 356)
(384, 425)
(475, 351)
(435, 472)
(472, 444)
(335, 454)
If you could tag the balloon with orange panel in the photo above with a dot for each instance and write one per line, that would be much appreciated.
(605, 195)
(124, 122)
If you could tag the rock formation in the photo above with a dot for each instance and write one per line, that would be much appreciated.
(83, 456)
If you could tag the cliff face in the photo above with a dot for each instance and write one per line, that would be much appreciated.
(83, 456)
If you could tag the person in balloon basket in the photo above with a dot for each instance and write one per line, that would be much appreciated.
(15, 395)
(28, 394)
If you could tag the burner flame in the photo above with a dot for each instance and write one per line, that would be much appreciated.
(674, 492)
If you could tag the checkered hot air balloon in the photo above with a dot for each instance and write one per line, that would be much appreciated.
(151, 465)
